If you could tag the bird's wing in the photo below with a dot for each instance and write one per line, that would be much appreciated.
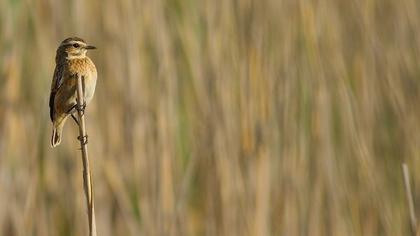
(55, 85)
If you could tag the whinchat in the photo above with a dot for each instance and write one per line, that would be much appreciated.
(71, 62)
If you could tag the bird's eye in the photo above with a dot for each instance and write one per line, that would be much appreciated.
(76, 45)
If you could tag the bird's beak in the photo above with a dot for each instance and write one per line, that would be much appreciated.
(90, 47)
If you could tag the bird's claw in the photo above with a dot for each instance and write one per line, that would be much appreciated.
(81, 108)
(83, 139)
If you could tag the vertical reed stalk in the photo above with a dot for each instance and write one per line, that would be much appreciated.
(87, 180)
(409, 195)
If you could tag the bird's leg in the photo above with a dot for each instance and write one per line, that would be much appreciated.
(72, 114)
(74, 118)
(81, 108)
(84, 139)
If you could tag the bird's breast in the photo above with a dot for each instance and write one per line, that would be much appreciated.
(82, 66)
(85, 68)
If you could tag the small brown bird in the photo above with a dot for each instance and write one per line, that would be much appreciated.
(71, 62)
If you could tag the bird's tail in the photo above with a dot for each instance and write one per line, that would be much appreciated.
(56, 133)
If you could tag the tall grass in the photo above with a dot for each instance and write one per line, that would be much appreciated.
(215, 117)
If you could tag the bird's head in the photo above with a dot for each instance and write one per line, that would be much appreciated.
(72, 48)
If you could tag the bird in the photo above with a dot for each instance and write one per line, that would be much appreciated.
(71, 61)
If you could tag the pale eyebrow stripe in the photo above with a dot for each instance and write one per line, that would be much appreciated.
(72, 42)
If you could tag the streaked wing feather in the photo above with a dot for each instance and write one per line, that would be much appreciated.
(52, 96)
(55, 85)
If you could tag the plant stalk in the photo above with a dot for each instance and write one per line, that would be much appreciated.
(409, 195)
(87, 177)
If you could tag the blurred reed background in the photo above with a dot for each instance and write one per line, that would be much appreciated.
(215, 117)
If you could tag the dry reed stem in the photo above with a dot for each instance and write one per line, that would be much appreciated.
(409, 195)
(87, 180)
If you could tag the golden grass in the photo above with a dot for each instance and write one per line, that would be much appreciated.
(215, 117)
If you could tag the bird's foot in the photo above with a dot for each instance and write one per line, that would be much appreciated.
(83, 139)
(81, 108)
